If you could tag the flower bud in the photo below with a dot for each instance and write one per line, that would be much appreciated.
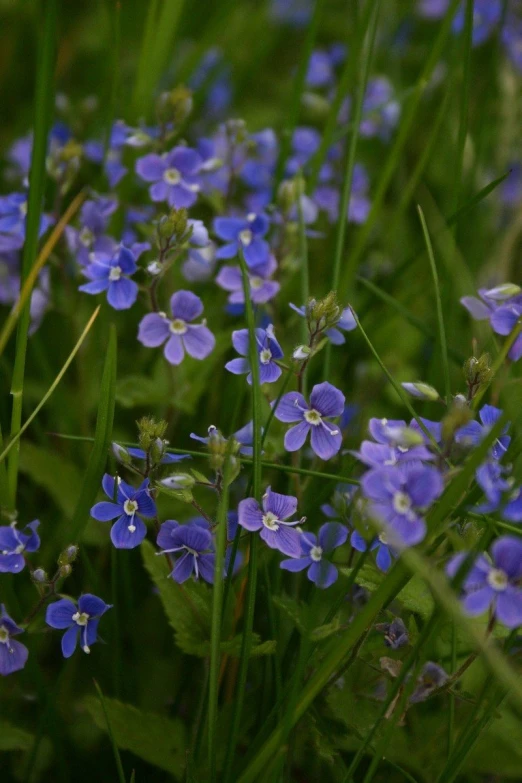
(65, 570)
(154, 268)
(324, 312)
(173, 227)
(178, 481)
(301, 352)
(477, 372)
(504, 291)
(175, 105)
(39, 576)
(120, 453)
(421, 391)
(68, 555)
(149, 430)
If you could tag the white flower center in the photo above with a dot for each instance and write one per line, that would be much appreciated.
(80, 618)
(265, 355)
(115, 273)
(497, 579)
(130, 507)
(270, 521)
(383, 538)
(86, 237)
(23, 208)
(4, 635)
(245, 236)
(401, 503)
(178, 326)
(172, 176)
(256, 282)
(316, 553)
(313, 417)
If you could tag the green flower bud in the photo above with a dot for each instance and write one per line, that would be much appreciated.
(175, 106)
(174, 226)
(149, 431)
(121, 453)
(178, 481)
(302, 352)
(65, 570)
(421, 391)
(477, 372)
(39, 576)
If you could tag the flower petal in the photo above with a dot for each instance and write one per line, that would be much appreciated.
(250, 515)
(186, 305)
(105, 511)
(153, 330)
(199, 341)
(122, 293)
(323, 574)
(183, 568)
(123, 538)
(296, 436)
(283, 506)
(326, 399)
(59, 614)
(326, 440)
(332, 535)
(174, 351)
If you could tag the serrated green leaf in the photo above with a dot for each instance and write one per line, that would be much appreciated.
(188, 608)
(154, 738)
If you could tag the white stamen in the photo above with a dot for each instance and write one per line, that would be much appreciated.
(265, 355)
(316, 553)
(246, 237)
(270, 521)
(178, 326)
(172, 176)
(115, 273)
(81, 618)
(313, 417)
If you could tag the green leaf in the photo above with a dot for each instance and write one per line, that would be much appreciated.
(102, 439)
(189, 610)
(54, 473)
(13, 738)
(154, 738)
(415, 596)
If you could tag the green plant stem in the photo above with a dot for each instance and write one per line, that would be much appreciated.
(364, 64)
(248, 622)
(438, 300)
(44, 106)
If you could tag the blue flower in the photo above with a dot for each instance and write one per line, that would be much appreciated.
(314, 549)
(174, 176)
(395, 633)
(432, 678)
(177, 332)
(325, 402)
(13, 219)
(399, 496)
(194, 545)
(13, 654)
(129, 530)
(79, 620)
(166, 458)
(14, 543)
(246, 233)
(268, 350)
(385, 553)
(271, 520)
(472, 434)
(112, 273)
(262, 289)
(94, 219)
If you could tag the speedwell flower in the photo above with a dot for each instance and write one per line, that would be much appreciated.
(13, 654)
(313, 554)
(129, 530)
(194, 546)
(272, 519)
(13, 544)
(79, 620)
(325, 402)
(268, 350)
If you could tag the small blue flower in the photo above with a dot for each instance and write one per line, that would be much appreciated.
(14, 543)
(325, 402)
(194, 545)
(271, 520)
(79, 620)
(395, 633)
(313, 555)
(245, 233)
(268, 349)
(112, 273)
(174, 176)
(472, 434)
(129, 530)
(385, 553)
(166, 458)
(13, 654)
(431, 679)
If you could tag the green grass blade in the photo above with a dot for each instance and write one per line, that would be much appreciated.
(299, 84)
(248, 621)
(102, 440)
(396, 150)
(464, 100)
(364, 65)
(115, 749)
(44, 106)
(15, 440)
(217, 611)
(438, 300)
(158, 42)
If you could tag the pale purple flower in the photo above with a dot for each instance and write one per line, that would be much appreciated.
(313, 554)
(262, 289)
(272, 519)
(174, 176)
(177, 332)
(471, 434)
(325, 402)
(431, 679)
(268, 350)
(494, 585)
(385, 553)
(398, 498)
(13, 654)
(395, 633)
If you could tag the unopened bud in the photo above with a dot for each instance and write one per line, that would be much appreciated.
(301, 352)
(477, 372)
(325, 312)
(121, 453)
(65, 570)
(39, 576)
(421, 391)
(178, 481)
(154, 268)
(175, 105)
(504, 291)
(149, 430)
(173, 226)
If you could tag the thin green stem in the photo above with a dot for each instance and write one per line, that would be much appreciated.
(363, 67)
(438, 300)
(44, 105)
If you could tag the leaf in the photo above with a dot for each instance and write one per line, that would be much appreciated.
(13, 738)
(324, 631)
(102, 440)
(54, 473)
(188, 608)
(415, 596)
(154, 738)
